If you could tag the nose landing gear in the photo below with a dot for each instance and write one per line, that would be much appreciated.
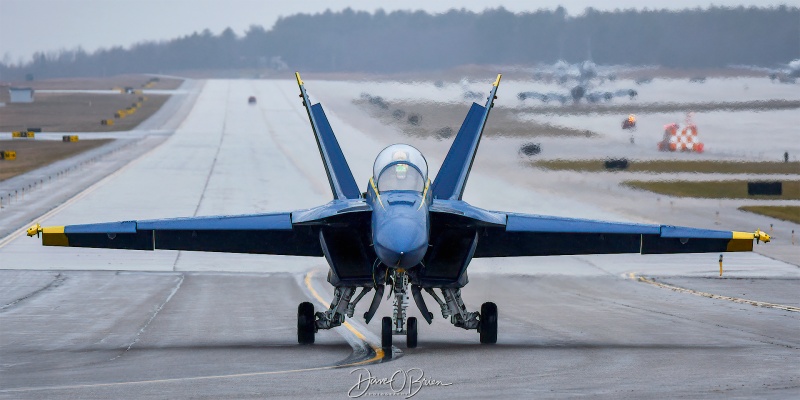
(398, 324)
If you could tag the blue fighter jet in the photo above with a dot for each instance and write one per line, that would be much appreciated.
(405, 233)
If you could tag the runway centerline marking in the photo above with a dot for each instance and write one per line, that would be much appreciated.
(739, 300)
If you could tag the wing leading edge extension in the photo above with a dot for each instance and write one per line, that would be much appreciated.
(343, 185)
(452, 177)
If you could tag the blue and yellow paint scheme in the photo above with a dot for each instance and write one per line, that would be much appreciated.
(429, 231)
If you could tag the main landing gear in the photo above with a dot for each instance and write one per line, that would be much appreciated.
(452, 306)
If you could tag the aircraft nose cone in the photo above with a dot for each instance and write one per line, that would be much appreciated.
(401, 243)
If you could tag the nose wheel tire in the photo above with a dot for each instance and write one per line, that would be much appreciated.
(386, 333)
(411, 335)
(305, 323)
(488, 323)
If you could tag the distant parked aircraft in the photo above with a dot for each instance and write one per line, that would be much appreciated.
(586, 77)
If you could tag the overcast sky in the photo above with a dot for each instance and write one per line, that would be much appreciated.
(45, 25)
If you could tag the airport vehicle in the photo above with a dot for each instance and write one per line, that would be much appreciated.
(629, 123)
(251, 100)
(405, 233)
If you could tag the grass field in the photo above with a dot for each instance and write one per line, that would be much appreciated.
(669, 166)
(786, 213)
(713, 189)
(32, 154)
(107, 83)
(442, 120)
(77, 112)
(642, 108)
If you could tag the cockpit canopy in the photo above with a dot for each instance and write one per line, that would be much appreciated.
(400, 167)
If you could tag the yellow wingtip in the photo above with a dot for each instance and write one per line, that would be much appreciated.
(758, 235)
(297, 75)
(497, 81)
(35, 229)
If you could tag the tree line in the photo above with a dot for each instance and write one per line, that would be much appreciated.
(380, 42)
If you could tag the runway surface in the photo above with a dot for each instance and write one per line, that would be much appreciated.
(88, 323)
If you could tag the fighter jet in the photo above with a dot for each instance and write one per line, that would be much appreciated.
(580, 81)
(785, 73)
(404, 233)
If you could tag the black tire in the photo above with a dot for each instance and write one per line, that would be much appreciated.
(488, 328)
(411, 335)
(305, 323)
(386, 333)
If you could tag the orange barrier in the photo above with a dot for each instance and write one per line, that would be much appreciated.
(685, 140)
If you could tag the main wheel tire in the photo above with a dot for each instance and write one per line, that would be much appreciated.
(305, 323)
(488, 324)
(386, 333)
(411, 333)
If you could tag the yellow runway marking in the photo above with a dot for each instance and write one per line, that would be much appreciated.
(713, 296)
(169, 380)
(378, 356)
(378, 351)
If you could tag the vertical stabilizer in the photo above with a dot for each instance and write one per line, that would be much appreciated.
(343, 185)
(452, 177)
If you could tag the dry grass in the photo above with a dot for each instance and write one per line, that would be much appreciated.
(442, 120)
(82, 112)
(32, 154)
(134, 81)
(713, 189)
(786, 213)
(77, 112)
(641, 108)
(670, 166)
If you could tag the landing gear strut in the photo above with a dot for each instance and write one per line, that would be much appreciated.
(398, 324)
(453, 307)
(309, 322)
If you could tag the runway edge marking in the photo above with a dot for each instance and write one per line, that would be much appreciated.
(739, 300)
(378, 351)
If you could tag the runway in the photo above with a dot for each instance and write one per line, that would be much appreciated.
(88, 323)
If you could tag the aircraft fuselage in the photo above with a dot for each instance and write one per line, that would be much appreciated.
(400, 227)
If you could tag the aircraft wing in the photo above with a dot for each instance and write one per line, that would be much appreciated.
(517, 235)
(289, 233)
(256, 234)
(343, 185)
